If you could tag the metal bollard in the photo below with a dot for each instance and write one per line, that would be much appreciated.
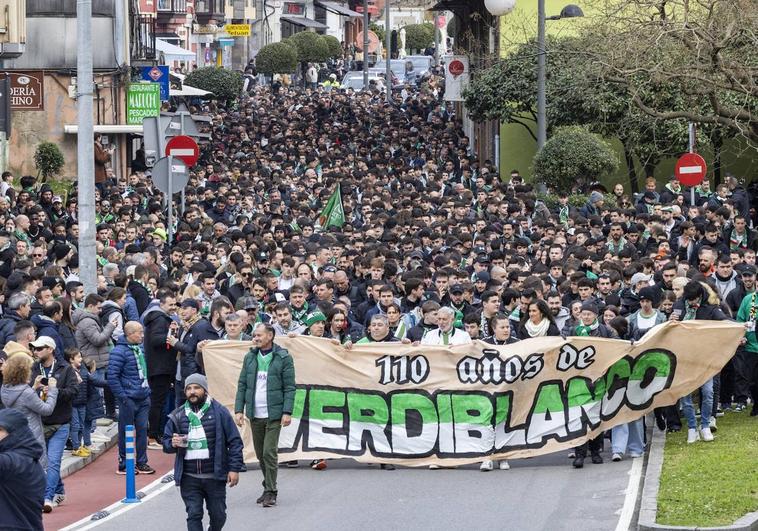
(130, 463)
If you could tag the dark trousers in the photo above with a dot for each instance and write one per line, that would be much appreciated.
(134, 413)
(194, 492)
(110, 400)
(266, 443)
(727, 383)
(746, 376)
(160, 386)
(668, 416)
(595, 445)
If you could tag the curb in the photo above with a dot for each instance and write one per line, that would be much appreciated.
(103, 439)
(649, 501)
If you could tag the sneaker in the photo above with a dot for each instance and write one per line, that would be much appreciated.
(316, 464)
(261, 498)
(269, 500)
(145, 469)
(674, 429)
(571, 454)
(80, 452)
(486, 466)
(720, 412)
(58, 499)
(692, 436)
(635, 455)
(738, 408)
(504, 465)
(387, 466)
(121, 471)
(291, 464)
(597, 459)
(154, 445)
(616, 457)
(434, 467)
(706, 434)
(47, 507)
(578, 462)
(712, 424)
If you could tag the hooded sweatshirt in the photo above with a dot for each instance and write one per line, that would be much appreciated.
(23, 399)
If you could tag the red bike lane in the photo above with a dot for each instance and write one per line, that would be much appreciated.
(97, 486)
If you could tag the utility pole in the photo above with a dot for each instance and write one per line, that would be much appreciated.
(388, 45)
(85, 147)
(365, 44)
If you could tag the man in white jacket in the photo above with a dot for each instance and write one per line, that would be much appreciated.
(445, 334)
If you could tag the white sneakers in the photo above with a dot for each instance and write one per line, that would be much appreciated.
(694, 436)
(616, 457)
(712, 424)
(489, 465)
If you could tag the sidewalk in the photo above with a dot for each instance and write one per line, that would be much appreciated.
(103, 439)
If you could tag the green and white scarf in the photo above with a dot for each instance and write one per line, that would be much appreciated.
(139, 357)
(689, 312)
(197, 444)
(583, 330)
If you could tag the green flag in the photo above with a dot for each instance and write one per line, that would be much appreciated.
(332, 214)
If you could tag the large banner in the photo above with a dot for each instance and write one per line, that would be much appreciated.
(395, 403)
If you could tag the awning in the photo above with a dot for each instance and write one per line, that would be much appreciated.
(113, 129)
(334, 7)
(186, 90)
(304, 22)
(172, 52)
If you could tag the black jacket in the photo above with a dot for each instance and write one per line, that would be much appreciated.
(22, 490)
(159, 355)
(140, 294)
(68, 387)
(7, 327)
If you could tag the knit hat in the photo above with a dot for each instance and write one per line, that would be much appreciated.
(313, 318)
(161, 233)
(197, 379)
(595, 197)
(590, 306)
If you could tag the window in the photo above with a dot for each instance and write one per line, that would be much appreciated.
(293, 9)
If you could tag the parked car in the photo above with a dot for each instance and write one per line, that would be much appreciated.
(354, 80)
(383, 75)
(421, 63)
(402, 68)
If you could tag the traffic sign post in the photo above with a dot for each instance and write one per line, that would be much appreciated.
(170, 175)
(185, 148)
(690, 170)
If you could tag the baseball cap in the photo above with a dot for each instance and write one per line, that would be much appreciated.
(190, 303)
(57, 199)
(748, 270)
(482, 276)
(456, 288)
(44, 341)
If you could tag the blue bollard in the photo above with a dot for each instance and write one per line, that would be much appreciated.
(130, 462)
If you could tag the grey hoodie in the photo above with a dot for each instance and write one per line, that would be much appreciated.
(24, 399)
(94, 340)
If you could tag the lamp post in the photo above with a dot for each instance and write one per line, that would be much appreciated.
(570, 11)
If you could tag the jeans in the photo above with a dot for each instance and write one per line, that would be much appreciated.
(110, 400)
(266, 443)
(80, 432)
(56, 443)
(133, 412)
(705, 408)
(629, 436)
(194, 492)
(160, 387)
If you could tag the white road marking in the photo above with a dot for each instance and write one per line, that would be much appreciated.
(630, 501)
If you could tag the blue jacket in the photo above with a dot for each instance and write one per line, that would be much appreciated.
(130, 308)
(89, 384)
(22, 489)
(47, 327)
(226, 446)
(123, 373)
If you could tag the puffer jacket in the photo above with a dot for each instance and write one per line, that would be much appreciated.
(22, 398)
(8, 326)
(47, 327)
(123, 373)
(94, 340)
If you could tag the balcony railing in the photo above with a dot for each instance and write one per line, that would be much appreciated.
(172, 6)
(143, 38)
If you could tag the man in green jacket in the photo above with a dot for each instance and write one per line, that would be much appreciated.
(266, 394)
(747, 355)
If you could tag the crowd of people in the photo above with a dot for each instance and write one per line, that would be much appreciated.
(436, 248)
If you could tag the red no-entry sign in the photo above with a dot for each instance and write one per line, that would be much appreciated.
(185, 148)
(690, 169)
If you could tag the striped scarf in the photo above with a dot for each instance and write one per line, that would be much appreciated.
(586, 330)
(139, 357)
(197, 444)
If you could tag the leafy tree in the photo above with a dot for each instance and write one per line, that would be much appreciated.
(276, 58)
(49, 160)
(225, 84)
(379, 30)
(335, 48)
(573, 156)
(419, 36)
(311, 47)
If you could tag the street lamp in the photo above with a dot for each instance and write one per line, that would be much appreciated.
(570, 11)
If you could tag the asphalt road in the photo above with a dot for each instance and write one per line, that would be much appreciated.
(535, 494)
